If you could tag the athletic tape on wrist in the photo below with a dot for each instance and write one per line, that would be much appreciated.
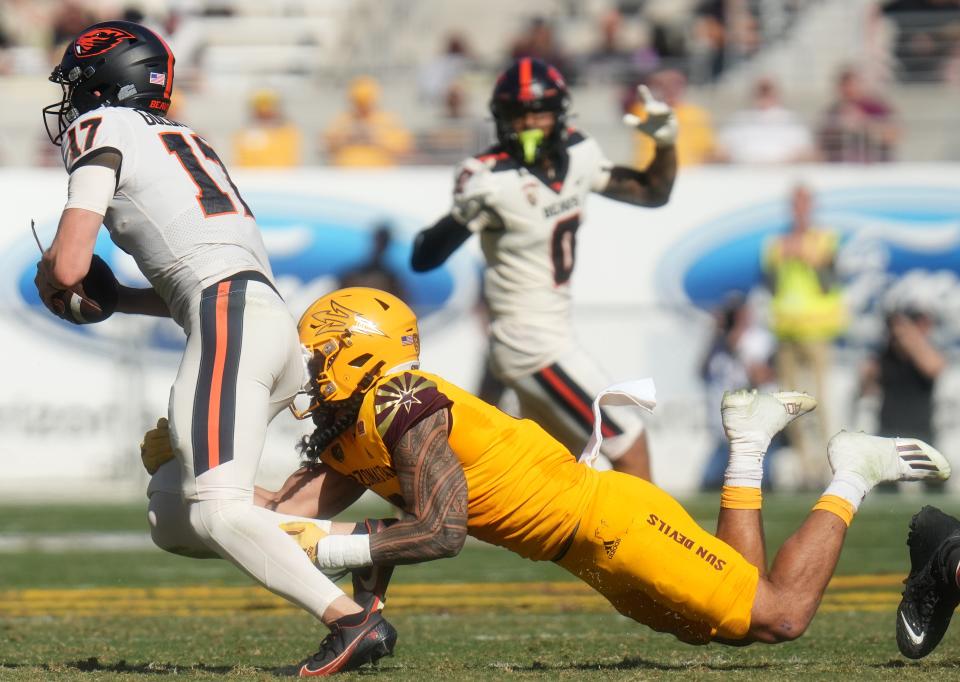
(343, 551)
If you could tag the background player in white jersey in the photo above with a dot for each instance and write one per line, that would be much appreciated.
(526, 197)
(167, 200)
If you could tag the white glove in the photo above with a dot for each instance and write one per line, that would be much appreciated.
(474, 193)
(660, 122)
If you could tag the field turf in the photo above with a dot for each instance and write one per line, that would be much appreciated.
(68, 612)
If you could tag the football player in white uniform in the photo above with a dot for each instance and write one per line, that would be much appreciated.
(525, 197)
(167, 200)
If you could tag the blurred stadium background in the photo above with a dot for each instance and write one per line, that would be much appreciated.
(270, 84)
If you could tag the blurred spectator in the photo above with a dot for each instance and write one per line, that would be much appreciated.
(26, 23)
(765, 132)
(186, 37)
(857, 126)
(670, 30)
(455, 135)
(725, 33)
(375, 273)
(926, 33)
(69, 19)
(739, 357)
(903, 375)
(268, 140)
(807, 314)
(610, 59)
(538, 41)
(365, 135)
(695, 140)
(951, 66)
(439, 74)
(6, 61)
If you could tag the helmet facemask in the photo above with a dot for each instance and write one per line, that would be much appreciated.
(323, 382)
(64, 111)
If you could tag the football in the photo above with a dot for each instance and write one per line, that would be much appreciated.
(94, 299)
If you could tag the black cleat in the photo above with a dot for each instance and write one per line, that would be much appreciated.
(348, 647)
(930, 594)
(370, 584)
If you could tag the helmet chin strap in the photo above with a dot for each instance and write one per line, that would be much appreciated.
(530, 141)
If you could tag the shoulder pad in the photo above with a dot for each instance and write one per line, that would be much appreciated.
(93, 132)
(575, 137)
(401, 401)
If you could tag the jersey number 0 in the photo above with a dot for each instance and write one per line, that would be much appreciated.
(212, 199)
(563, 248)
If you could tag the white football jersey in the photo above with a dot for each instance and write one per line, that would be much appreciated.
(175, 211)
(528, 236)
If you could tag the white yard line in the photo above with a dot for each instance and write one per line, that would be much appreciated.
(54, 543)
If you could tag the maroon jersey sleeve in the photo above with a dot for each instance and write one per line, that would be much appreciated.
(402, 401)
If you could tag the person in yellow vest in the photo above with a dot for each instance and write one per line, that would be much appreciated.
(695, 140)
(269, 140)
(365, 135)
(807, 315)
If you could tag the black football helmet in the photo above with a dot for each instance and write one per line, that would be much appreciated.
(114, 63)
(530, 84)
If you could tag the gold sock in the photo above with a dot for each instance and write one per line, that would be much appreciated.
(838, 506)
(740, 497)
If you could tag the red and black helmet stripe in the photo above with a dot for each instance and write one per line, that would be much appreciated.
(530, 84)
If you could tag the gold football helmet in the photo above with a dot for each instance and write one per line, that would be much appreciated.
(355, 335)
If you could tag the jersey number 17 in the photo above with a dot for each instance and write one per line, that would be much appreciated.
(212, 199)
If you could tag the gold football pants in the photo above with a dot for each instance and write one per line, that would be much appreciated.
(642, 551)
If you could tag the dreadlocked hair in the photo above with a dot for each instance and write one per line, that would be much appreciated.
(329, 427)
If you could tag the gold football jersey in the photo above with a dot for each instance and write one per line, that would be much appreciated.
(526, 492)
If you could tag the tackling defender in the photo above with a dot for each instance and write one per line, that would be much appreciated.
(525, 197)
(167, 200)
(459, 466)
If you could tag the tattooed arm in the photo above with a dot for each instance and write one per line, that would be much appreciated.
(435, 495)
(315, 491)
(650, 187)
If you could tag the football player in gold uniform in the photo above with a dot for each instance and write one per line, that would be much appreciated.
(457, 466)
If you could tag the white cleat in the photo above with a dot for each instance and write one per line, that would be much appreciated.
(755, 418)
(879, 459)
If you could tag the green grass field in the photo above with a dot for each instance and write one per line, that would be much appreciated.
(68, 612)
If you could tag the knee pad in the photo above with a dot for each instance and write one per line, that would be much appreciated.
(170, 527)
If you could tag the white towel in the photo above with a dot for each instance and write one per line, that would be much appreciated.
(640, 392)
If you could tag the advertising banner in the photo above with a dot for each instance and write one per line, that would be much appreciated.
(76, 399)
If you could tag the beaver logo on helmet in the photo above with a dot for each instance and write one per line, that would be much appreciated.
(99, 40)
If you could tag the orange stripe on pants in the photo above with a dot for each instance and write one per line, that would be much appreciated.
(216, 383)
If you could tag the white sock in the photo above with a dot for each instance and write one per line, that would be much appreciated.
(850, 486)
(745, 467)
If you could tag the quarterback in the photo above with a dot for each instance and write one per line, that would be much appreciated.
(457, 466)
(526, 198)
(167, 200)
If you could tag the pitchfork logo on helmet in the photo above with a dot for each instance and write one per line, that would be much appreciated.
(354, 336)
(115, 63)
(99, 40)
